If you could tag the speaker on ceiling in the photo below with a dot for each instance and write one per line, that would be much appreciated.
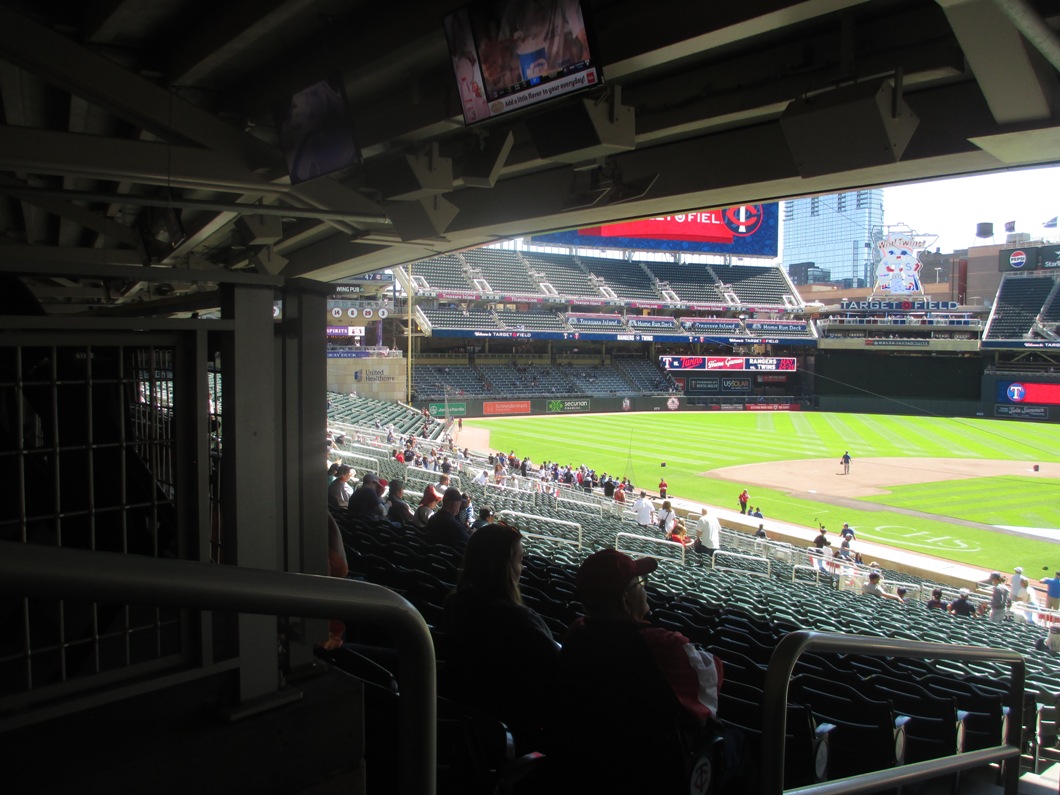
(850, 128)
(583, 129)
(422, 219)
(411, 177)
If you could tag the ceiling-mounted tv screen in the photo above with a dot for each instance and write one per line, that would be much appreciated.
(315, 131)
(511, 54)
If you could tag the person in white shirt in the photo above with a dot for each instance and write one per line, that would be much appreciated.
(667, 518)
(483, 479)
(645, 511)
(708, 533)
(1018, 591)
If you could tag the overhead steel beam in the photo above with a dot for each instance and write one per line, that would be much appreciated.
(65, 63)
(1006, 69)
(37, 195)
(63, 153)
(232, 30)
(62, 205)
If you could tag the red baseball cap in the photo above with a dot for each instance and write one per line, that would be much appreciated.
(604, 575)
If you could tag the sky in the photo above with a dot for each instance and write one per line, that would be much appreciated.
(951, 208)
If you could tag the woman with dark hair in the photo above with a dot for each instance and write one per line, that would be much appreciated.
(499, 654)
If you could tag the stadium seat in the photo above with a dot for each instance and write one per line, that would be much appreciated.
(869, 735)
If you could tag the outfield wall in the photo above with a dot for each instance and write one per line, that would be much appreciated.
(526, 407)
(1021, 396)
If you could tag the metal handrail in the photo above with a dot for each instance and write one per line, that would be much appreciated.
(775, 699)
(658, 541)
(34, 570)
(547, 520)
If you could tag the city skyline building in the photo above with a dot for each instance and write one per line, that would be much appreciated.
(834, 233)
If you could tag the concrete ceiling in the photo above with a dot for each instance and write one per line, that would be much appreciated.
(122, 116)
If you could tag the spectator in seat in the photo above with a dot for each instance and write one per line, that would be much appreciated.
(340, 490)
(428, 505)
(485, 517)
(935, 602)
(500, 655)
(397, 509)
(366, 504)
(962, 605)
(875, 587)
(635, 692)
(443, 527)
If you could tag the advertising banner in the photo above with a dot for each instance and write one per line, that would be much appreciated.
(455, 409)
(1028, 392)
(566, 406)
(1030, 412)
(743, 230)
(776, 325)
(899, 343)
(1017, 259)
(729, 384)
(772, 406)
(728, 363)
(506, 407)
(698, 384)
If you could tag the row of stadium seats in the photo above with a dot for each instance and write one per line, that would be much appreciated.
(446, 317)
(492, 271)
(435, 381)
(1021, 300)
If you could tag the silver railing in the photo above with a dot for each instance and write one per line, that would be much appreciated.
(34, 570)
(775, 699)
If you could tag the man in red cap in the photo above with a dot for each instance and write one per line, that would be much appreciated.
(634, 691)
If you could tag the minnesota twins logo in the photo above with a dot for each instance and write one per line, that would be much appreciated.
(743, 220)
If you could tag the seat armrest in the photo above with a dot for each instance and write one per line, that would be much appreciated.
(823, 729)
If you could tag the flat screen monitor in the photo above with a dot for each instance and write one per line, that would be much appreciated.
(315, 131)
(511, 54)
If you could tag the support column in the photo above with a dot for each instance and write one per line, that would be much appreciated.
(304, 351)
(251, 494)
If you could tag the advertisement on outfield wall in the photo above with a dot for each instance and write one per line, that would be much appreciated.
(1028, 393)
(506, 407)
(745, 230)
(454, 409)
(1022, 412)
(566, 406)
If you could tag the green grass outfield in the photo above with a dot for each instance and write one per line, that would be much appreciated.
(691, 443)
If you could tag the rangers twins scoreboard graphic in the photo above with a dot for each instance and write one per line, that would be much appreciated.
(728, 363)
(1026, 399)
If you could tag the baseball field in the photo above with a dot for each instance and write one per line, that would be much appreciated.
(984, 493)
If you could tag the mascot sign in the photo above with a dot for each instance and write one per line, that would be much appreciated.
(898, 272)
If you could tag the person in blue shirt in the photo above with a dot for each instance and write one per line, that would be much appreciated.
(1052, 585)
